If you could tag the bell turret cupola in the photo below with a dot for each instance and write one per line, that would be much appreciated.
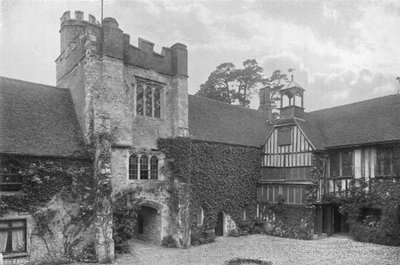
(292, 101)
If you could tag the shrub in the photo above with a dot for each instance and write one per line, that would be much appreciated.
(125, 212)
(202, 235)
(374, 216)
(245, 227)
(233, 233)
(169, 242)
(257, 230)
(88, 253)
(378, 235)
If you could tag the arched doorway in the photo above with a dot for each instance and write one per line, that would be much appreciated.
(149, 222)
(219, 228)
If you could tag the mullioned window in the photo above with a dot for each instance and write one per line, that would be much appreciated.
(148, 98)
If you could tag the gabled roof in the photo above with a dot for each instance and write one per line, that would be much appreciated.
(37, 120)
(367, 122)
(216, 121)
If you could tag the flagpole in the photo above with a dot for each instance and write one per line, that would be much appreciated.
(102, 12)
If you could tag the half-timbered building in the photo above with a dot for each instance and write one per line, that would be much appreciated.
(345, 143)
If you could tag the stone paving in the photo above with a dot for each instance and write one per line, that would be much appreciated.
(281, 251)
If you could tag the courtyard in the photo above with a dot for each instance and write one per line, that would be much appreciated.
(281, 251)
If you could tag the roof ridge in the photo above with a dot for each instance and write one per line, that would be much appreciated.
(29, 82)
(354, 103)
(226, 103)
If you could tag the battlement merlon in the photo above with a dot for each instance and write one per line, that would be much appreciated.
(172, 61)
(116, 44)
(70, 28)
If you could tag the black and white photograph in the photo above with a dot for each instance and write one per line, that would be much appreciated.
(200, 132)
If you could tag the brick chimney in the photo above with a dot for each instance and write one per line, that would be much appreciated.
(265, 102)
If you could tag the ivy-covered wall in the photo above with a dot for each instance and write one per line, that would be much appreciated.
(57, 201)
(374, 210)
(221, 177)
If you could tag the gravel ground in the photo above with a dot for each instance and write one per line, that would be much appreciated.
(281, 251)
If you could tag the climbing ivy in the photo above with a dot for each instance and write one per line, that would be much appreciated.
(374, 210)
(45, 179)
(221, 177)
(125, 212)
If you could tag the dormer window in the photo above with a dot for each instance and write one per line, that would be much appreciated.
(148, 98)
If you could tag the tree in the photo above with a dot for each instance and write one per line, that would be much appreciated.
(229, 84)
(275, 82)
(220, 84)
(248, 79)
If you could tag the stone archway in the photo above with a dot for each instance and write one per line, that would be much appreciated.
(149, 225)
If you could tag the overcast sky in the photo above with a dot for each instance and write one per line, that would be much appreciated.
(343, 51)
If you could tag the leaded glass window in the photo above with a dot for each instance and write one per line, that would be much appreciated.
(149, 101)
(148, 98)
(12, 236)
(347, 163)
(157, 102)
(133, 167)
(139, 98)
(144, 167)
(384, 161)
(154, 167)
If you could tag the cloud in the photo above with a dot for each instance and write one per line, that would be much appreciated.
(328, 90)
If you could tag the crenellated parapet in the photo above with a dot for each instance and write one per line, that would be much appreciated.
(109, 40)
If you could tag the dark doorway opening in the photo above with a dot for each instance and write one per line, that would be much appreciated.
(149, 225)
(330, 220)
(219, 229)
(340, 221)
(140, 224)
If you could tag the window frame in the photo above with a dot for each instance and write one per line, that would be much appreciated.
(156, 104)
(134, 168)
(384, 161)
(144, 167)
(341, 164)
(10, 229)
(153, 172)
(4, 176)
(284, 136)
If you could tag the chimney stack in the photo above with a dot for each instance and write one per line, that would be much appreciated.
(265, 102)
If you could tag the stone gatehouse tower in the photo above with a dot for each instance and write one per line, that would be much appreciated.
(141, 95)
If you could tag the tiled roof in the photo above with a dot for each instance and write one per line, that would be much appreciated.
(216, 121)
(37, 120)
(366, 122)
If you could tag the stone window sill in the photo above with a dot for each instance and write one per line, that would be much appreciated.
(144, 180)
(15, 255)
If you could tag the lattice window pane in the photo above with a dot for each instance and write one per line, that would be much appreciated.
(334, 164)
(154, 167)
(10, 182)
(139, 98)
(133, 167)
(384, 161)
(149, 101)
(144, 167)
(12, 236)
(157, 103)
(347, 164)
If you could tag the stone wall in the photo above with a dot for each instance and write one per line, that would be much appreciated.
(101, 68)
(56, 226)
